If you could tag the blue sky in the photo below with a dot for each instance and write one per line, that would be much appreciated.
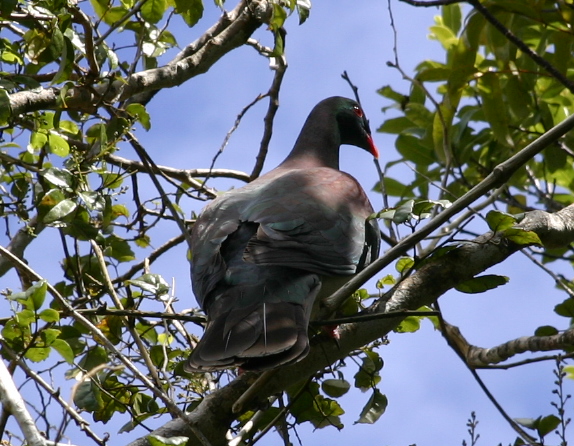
(431, 393)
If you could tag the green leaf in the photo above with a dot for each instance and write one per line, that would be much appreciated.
(404, 264)
(413, 149)
(543, 425)
(38, 140)
(158, 440)
(396, 125)
(315, 408)
(409, 324)
(480, 284)
(547, 424)
(49, 335)
(499, 221)
(119, 249)
(153, 283)
(452, 17)
(111, 180)
(94, 357)
(61, 178)
(33, 297)
(529, 423)
(64, 349)
(389, 279)
(58, 145)
(88, 396)
(278, 17)
(335, 388)
(37, 294)
(404, 212)
(153, 10)
(139, 112)
(60, 211)
(494, 107)
(49, 315)
(374, 408)
(38, 354)
(303, 9)
(190, 10)
(368, 374)
(25, 317)
(522, 237)
(565, 308)
(545, 330)
(422, 208)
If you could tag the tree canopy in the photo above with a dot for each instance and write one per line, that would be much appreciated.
(483, 128)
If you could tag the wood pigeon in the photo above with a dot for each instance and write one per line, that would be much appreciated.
(263, 253)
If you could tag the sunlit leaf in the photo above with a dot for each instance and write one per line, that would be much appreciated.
(139, 112)
(60, 211)
(404, 264)
(499, 221)
(522, 237)
(58, 145)
(153, 283)
(158, 440)
(33, 297)
(37, 354)
(49, 315)
(153, 10)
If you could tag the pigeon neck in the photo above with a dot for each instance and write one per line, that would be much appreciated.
(316, 146)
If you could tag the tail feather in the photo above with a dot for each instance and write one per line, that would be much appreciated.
(258, 336)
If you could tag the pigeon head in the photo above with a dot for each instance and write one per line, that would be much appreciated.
(353, 125)
(334, 121)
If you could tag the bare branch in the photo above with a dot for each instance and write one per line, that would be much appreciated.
(273, 94)
(184, 175)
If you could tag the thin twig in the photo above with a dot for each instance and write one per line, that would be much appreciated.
(273, 94)
(231, 132)
(143, 350)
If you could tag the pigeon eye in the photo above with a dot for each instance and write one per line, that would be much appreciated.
(358, 111)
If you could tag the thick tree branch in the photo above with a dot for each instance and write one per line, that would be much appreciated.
(554, 229)
(422, 287)
(13, 402)
(231, 31)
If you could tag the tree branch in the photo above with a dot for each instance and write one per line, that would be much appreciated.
(231, 31)
(456, 266)
(477, 357)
